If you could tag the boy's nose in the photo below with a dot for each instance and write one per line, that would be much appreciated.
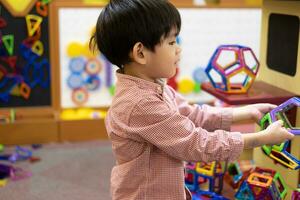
(178, 50)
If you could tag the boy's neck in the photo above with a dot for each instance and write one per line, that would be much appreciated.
(137, 71)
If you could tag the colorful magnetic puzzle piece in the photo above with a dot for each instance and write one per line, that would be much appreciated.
(236, 174)
(282, 111)
(232, 69)
(264, 184)
(296, 195)
(279, 153)
(202, 195)
(200, 172)
(18, 8)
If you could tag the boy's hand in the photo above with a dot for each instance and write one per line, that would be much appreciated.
(276, 133)
(257, 111)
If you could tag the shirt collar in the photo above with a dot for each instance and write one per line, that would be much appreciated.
(155, 86)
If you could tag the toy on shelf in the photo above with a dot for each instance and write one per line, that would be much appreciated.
(262, 184)
(232, 69)
(280, 153)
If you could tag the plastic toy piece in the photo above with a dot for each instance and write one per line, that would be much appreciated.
(279, 152)
(3, 23)
(46, 1)
(244, 192)
(284, 158)
(281, 111)
(232, 69)
(186, 86)
(7, 83)
(75, 81)
(18, 8)
(18, 174)
(3, 182)
(25, 90)
(77, 65)
(74, 49)
(93, 67)
(282, 189)
(11, 61)
(108, 72)
(28, 54)
(205, 168)
(200, 195)
(42, 9)
(295, 195)
(262, 184)
(31, 74)
(38, 48)
(93, 83)
(256, 179)
(28, 42)
(264, 123)
(236, 175)
(23, 153)
(79, 96)
(210, 173)
(111, 90)
(33, 23)
(43, 73)
(199, 75)
(8, 41)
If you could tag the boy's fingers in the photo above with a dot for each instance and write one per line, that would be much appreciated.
(280, 122)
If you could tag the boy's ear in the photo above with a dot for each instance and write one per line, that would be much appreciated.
(139, 53)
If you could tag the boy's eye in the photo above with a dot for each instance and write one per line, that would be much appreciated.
(172, 43)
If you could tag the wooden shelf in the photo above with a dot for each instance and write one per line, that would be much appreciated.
(80, 130)
(29, 131)
(260, 92)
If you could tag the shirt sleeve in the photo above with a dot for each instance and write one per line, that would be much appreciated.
(177, 135)
(205, 116)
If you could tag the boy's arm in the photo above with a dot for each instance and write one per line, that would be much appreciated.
(177, 135)
(207, 117)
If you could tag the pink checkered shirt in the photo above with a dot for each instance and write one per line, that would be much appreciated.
(153, 130)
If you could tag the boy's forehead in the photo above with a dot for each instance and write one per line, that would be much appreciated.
(173, 32)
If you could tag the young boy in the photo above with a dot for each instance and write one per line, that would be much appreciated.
(153, 130)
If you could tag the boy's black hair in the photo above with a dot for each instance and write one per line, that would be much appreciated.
(123, 23)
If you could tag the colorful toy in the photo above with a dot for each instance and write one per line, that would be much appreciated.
(296, 195)
(237, 172)
(1, 147)
(262, 184)
(186, 86)
(279, 153)
(18, 7)
(232, 69)
(281, 112)
(201, 195)
(200, 174)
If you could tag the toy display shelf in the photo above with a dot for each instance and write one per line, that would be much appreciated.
(260, 92)
(34, 125)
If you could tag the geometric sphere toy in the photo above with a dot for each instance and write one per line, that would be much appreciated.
(232, 69)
